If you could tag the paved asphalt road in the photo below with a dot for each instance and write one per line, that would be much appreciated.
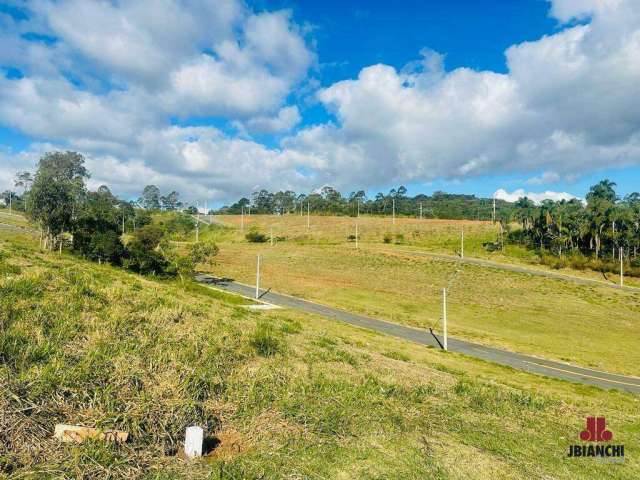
(17, 228)
(519, 361)
(521, 269)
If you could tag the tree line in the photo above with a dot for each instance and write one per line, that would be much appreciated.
(93, 223)
(605, 226)
(329, 201)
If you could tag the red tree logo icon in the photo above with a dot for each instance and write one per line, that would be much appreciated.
(596, 431)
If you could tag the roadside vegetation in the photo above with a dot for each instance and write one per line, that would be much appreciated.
(280, 394)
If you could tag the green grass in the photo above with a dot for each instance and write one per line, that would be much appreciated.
(13, 218)
(435, 236)
(591, 326)
(289, 395)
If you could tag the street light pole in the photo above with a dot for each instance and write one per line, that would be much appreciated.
(258, 279)
(444, 317)
(357, 218)
(394, 210)
(621, 269)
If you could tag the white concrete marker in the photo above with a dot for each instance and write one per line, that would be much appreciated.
(193, 439)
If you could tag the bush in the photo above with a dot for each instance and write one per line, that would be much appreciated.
(143, 256)
(351, 238)
(179, 224)
(579, 262)
(265, 341)
(254, 236)
(552, 261)
(399, 238)
(388, 238)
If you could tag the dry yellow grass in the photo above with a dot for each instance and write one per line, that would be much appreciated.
(587, 325)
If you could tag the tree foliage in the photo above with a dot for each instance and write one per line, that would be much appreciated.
(604, 226)
(57, 189)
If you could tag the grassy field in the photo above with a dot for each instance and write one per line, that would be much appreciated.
(590, 326)
(13, 218)
(281, 394)
(435, 236)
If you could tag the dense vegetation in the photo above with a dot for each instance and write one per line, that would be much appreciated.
(94, 223)
(606, 227)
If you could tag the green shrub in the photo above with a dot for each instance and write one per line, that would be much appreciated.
(388, 238)
(254, 236)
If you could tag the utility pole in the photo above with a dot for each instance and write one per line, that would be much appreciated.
(394, 210)
(308, 218)
(198, 229)
(258, 279)
(621, 269)
(357, 218)
(420, 210)
(9, 201)
(613, 238)
(493, 218)
(272, 236)
(242, 218)
(444, 317)
(462, 243)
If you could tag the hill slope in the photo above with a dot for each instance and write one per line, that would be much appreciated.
(280, 393)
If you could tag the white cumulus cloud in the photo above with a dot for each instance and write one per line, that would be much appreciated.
(536, 197)
(120, 80)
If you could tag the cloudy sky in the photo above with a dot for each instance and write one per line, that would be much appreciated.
(218, 98)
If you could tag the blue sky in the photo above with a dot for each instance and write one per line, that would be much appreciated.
(219, 98)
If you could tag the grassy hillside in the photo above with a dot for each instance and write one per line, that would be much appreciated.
(436, 236)
(588, 325)
(283, 395)
(13, 218)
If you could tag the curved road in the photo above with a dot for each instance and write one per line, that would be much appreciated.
(518, 269)
(519, 361)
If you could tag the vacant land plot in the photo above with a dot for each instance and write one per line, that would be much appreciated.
(437, 235)
(481, 238)
(281, 394)
(591, 326)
